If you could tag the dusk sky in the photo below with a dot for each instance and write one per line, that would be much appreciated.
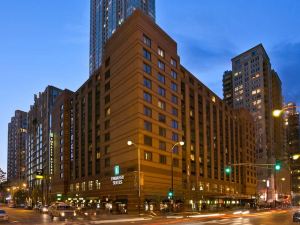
(47, 43)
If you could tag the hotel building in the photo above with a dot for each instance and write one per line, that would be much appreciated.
(142, 94)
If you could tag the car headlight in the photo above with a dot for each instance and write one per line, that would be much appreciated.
(86, 214)
(62, 214)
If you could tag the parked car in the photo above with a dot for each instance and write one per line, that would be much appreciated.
(3, 215)
(62, 211)
(12, 205)
(296, 217)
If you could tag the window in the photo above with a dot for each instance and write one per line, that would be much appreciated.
(147, 54)
(147, 83)
(106, 149)
(107, 124)
(162, 159)
(107, 137)
(162, 91)
(147, 68)
(107, 162)
(90, 185)
(161, 65)
(147, 97)
(162, 132)
(107, 61)
(147, 41)
(174, 86)
(107, 86)
(161, 52)
(173, 74)
(161, 118)
(174, 99)
(161, 105)
(175, 136)
(147, 126)
(107, 99)
(161, 78)
(174, 111)
(147, 111)
(173, 62)
(107, 74)
(148, 156)
(98, 185)
(174, 124)
(147, 140)
(107, 111)
(83, 186)
(162, 145)
(175, 162)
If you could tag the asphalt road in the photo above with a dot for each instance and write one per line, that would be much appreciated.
(274, 217)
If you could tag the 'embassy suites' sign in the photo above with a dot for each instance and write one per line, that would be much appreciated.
(117, 180)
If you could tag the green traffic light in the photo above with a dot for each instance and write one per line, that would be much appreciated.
(277, 165)
(228, 170)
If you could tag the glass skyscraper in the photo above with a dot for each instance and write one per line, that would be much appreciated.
(106, 17)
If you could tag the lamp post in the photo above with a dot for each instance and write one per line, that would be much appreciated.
(181, 143)
(129, 143)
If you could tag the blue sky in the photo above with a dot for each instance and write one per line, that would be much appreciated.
(47, 42)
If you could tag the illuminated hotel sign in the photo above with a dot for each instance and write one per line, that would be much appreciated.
(51, 149)
(117, 180)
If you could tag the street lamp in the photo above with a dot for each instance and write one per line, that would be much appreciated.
(130, 143)
(181, 143)
(278, 112)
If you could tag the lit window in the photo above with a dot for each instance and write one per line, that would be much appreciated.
(148, 156)
(161, 52)
(90, 185)
(98, 185)
(173, 62)
(147, 41)
(107, 111)
(161, 104)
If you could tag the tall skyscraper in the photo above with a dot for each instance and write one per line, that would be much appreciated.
(257, 88)
(106, 17)
(292, 124)
(40, 144)
(17, 131)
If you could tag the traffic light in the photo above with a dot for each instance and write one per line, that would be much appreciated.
(227, 170)
(170, 194)
(278, 165)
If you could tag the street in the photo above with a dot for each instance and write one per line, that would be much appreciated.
(271, 217)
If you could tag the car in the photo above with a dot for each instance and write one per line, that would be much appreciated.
(3, 215)
(62, 211)
(44, 209)
(296, 217)
(12, 205)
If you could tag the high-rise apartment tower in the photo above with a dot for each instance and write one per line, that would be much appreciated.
(106, 17)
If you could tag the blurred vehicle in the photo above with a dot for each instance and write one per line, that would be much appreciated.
(3, 215)
(12, 204)
(296, 217)
(29, 207)
(88, 211)
(44, 209)
(62, 211)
